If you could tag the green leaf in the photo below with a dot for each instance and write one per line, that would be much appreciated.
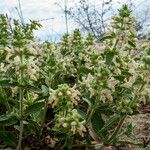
(110, 122)
(129, 129)
(33, 89)
(38, 116)
(8, 120)
(45, 90)
(34, 108)
(87, 101)
(97, 124)
(84, 70)
(33, 127)
(106, 37)
(82, 113)
(131, 43)
(119, 78)
(106, 110)
(109, 57)
(8, 138)
(7, 84)
(69, 142)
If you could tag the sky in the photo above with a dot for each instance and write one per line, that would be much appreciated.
(54, 27)
(46, 10)
(49, 11)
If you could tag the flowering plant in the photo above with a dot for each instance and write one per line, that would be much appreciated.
(58, 93)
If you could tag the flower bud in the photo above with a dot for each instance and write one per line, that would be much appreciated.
(60, 94)
(73, 123)
(64, 125)
(68, 93)
(62, 119)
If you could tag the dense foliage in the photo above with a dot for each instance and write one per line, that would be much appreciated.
(57, 94)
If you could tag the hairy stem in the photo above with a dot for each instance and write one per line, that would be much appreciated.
(90, 116)
(20, 104)
(44, 116)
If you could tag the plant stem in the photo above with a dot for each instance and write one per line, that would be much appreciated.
(93, 109)
(115, 44)
(44, 116)
(20, 136)
(90, 114)
(20, 104)
(116, 130)
(8, 106)
(45, 108)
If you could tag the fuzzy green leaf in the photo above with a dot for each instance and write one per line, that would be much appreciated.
(8, 138)
(109, 58)
(110, 122)
(33, 89)
(45, 90)
(131, 43)
(82, 113)
(7, 84)
(97, 124)
(8, 120)
(34, 108)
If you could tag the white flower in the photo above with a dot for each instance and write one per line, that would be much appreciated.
(35, 96)
(17, 60)
(3, 68)
(142, 65)
(75, 97)
(14, 91)
(68, 93)
(112, 83)
(103, 98)
(81, 128)
(52, 143)
(73, 123)
(132, 71)
(33, 77)
(117, 71)
(92, 91)
(62, 119)
(60, 94)
(65, 125)
(74, 111)
(73, 127)
(128, 84)
(52, 100)
(148, 58)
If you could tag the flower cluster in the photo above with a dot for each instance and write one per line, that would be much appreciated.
(79, 84)
(67, 118)
(64, 96)
(71, 123)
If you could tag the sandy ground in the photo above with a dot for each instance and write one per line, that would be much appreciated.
(141, 129)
